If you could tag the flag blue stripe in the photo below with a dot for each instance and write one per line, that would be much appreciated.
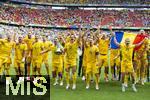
(119, 36)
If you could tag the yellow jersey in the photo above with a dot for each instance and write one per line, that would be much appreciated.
(114, 52)
(56, 58)
(37, 48)
(5, 47)
(29, 42)
(86, 46)
(71, 50)
(85, 53)
(2, 44)
(19, 50)
(47, 45)
(91, 53)
(127, 52)
(8, 47)
(103, 46)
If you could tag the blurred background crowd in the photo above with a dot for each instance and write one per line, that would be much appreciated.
(23, 31)
(51, 33)
(67, 17)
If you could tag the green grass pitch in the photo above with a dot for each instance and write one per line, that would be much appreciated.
(108, 91)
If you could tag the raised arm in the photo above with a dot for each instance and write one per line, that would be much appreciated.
(116, 42)
(14, 37)
(97, 33)
(80, 36)
(111, 32)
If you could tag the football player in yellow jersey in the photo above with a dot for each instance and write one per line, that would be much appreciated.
(126, 62)
(20, 54)
(71, 59)
(6, 48)
(36, 55)
(103, 44)
(57, 61)
(115, 62)
(3, 56)
(84, 38)
(84, 43)
(9, 45)
(92, 55)
(141, 60)
(62, 42)
(61, 39)
(46, 45)
(66, 40)
(29, 41)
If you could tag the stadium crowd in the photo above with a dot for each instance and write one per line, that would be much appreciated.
(66, 17)
(89, 1)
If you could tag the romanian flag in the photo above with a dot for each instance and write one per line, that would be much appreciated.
(121, 36)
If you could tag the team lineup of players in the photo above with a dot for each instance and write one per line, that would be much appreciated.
(34, 51)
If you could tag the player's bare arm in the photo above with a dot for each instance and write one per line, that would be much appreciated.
(116, 42)
(111, 31)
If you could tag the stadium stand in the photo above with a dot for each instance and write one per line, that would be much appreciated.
(25, 15)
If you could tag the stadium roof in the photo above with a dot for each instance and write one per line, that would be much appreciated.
(83, 5)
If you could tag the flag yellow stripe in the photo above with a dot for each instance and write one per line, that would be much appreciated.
(131, 36)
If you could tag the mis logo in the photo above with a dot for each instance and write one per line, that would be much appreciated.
(21, 83)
